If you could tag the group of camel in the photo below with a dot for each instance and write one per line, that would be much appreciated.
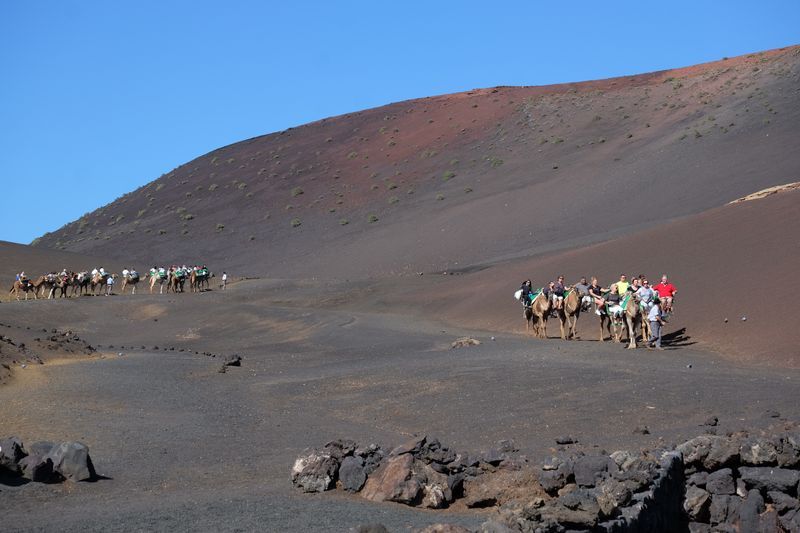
(68, 284)
(633, 316)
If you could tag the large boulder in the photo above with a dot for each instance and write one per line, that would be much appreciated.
(724, 509)
(352, 474)
(721, 482)
(769, 479)
(758, 451)
(724, 451)
(393, 481)
(37, 468)
(72, 461)
(11, 452)
(315, 471)
(750, 511)
(589, 469)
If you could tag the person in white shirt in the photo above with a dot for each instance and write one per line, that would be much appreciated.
(109, 285)
(224, 280)
(655, 317)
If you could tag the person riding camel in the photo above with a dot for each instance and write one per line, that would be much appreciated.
(646, 295)
(596, 293)
(634, 286)
(583, 293)
(526, 293)
(666, 292)
(612, 300)
(622, 284)
(558, 293)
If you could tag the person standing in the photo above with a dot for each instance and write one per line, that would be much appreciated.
(110, 285)
(224, 280)
(656, 319)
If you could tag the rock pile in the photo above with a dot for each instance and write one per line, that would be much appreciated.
(738, 482)
(419, 472)
(45, 462)
(743, 482)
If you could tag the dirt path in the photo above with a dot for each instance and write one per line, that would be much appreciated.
(188, 448)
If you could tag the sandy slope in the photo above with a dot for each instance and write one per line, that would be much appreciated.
(731, 262)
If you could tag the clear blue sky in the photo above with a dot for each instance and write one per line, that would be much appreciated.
(100, 97)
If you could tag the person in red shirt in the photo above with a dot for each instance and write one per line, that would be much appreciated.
(666, 291)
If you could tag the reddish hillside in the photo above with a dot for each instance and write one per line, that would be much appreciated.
(456, 180)
(735, 261)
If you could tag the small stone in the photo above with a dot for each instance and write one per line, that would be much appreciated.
(721, 482)
(566, 440)
(744, 319)
(711, 421)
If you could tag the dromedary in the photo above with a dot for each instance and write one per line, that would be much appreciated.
(156, 277)
(80, 283)
(177, 279)
(130, 280)
(540, 310)
(569, 313)
(198, 279)
(99, 282)
(631, 317)
(46, 284)
(24, 286)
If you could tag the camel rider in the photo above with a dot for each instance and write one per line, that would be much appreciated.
(666, 292)
(596, 292)
(612, 300)
(558, 293)
(125, 273)
(583, 293)
(622, 284)
(133, 274)
(646, 296)
(162, 273)
(634, 286)
(94, 272)
(527, 293)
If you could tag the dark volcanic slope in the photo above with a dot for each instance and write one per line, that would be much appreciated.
(467, 178)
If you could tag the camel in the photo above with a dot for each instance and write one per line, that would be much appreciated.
(46, 284)
(98, 282)
(540, 310)
(569, 313)
(63, 283)
(80, 283)
(130, 280)
(155, 277)
(177, 279)
(197, 279)
(633, 316)
(25, 286)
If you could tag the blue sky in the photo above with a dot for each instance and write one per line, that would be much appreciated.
(98, 97)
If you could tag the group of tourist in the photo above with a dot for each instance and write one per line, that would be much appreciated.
(655, 301)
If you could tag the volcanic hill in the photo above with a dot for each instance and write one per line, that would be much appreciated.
(449, 182)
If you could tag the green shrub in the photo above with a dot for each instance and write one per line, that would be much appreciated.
(440, 197)
(467, 190)
(242, 185)
(162, 232)
(394, 200)
(213, 187)
(372, 218)
(343, 222)
(448, 175)
(297, 191)
(296, 222)
(220, 227)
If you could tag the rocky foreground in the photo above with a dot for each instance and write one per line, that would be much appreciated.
(737, 482)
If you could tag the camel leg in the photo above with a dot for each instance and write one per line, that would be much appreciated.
(561, 323)
(631, 332)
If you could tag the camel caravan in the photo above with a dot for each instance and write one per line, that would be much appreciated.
(66, 284)
(621, 308)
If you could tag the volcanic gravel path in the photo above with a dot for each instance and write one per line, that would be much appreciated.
(189, 448)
